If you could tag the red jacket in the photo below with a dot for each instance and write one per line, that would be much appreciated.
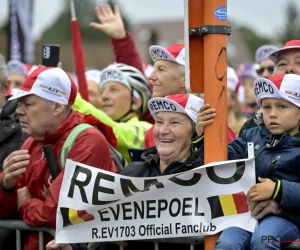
(149, 139)
(126, 52)
(90, 148)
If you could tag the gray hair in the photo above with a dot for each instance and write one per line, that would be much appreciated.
(3, 70)
(180, 69)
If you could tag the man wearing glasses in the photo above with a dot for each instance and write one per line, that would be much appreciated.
(266, 66)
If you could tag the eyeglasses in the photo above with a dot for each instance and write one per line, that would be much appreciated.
(262, 70)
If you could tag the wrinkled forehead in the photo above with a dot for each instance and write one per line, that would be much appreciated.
(164, 63)
(288, 54)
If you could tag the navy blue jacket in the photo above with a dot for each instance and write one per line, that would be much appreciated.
(273, 159)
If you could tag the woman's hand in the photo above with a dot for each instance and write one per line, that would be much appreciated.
(55, 246)
(111, 22)
(205, 117)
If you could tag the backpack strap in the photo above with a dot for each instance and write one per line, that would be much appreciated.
(71, 140)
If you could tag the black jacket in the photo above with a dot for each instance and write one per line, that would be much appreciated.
(11, 136)
(150, 168)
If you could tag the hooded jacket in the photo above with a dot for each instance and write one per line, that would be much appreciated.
(90, 148)
(11, 136)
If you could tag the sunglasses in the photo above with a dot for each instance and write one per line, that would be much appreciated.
(262, 70)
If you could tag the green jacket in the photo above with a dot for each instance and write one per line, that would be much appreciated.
(129, 134)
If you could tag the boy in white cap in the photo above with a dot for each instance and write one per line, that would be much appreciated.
(266, 66)
(277, 143)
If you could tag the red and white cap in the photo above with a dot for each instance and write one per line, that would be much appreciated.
(293, 44)
(188, 104)
(12, 92)
(233, 81)
(52, 84)
(283, 86)
(174, 53)
(30, 68)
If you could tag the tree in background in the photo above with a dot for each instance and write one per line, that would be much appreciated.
(253, 40)
(291, 29)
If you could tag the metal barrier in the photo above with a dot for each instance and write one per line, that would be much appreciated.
(19, 226)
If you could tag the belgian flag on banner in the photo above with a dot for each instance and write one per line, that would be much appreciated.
(228, 204)
(71, 216)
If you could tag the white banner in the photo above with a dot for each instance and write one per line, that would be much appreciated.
(96, 205)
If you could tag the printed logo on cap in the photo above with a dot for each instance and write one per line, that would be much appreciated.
(113, 75)
(182, 103)
(282, 86)
(52, 84)
(174, 53)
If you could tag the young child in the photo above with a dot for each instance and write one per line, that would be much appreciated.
(277, 163)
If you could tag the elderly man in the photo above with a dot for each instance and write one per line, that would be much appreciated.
(168, 78)
(266, 66)
(46, 116)
(11, 136)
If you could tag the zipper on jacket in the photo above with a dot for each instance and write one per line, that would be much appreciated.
(270, 142)
(270, 170)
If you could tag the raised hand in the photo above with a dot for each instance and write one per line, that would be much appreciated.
(111, 22)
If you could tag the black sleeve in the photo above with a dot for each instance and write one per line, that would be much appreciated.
(79, 246)
(248, 124)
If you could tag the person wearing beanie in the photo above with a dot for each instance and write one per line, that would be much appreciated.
(276, 149)
(17, 73)
(27, 187)
(266, 66)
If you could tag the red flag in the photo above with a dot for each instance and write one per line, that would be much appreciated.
(78, 55)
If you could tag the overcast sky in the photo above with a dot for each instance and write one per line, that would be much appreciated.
(266, 16)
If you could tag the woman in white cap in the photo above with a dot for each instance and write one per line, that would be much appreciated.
(124, 96)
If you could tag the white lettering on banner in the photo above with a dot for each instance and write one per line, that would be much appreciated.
(103, 206)
(262, 86)
(157, 53)
(111, 75)
(162, 105)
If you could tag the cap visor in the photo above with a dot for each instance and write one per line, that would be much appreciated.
(20, 94)
(274, 54)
